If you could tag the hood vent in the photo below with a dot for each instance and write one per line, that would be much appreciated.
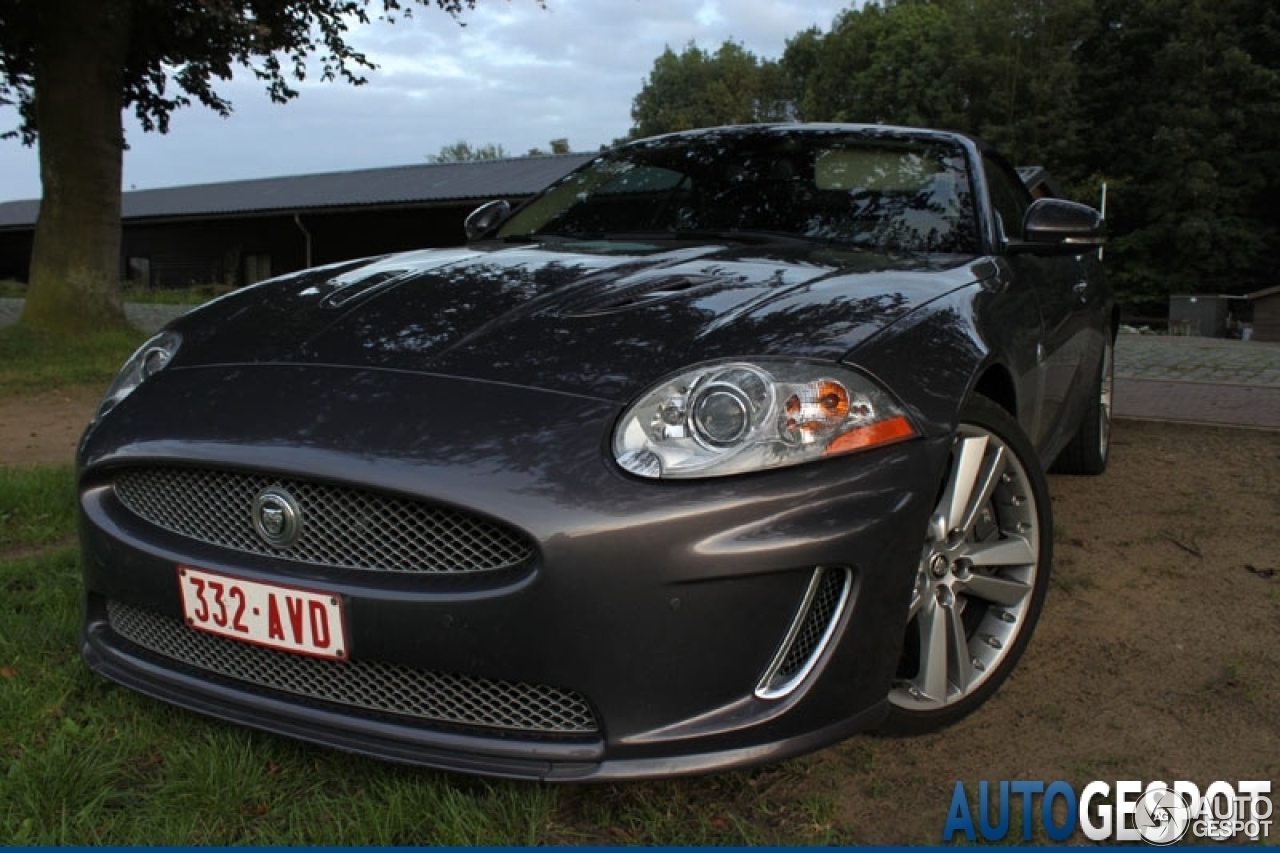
(346, 292)
(635, 292)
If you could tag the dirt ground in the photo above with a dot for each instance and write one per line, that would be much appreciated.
(1158, 655)
(44, 429)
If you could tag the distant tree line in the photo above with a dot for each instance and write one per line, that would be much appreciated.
(1174, 103)
(464, 152)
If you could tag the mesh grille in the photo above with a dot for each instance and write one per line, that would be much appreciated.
(341, 527)
(815, 621)
(372, 685)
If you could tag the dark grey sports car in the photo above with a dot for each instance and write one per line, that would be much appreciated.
(724, 447)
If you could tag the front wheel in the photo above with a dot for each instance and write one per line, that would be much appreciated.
(982, 577)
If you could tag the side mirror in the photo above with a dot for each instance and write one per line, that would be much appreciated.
(1057, 226)
(485, 218)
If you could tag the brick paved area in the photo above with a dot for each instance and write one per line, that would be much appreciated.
(1213, 360)
(1198, 380)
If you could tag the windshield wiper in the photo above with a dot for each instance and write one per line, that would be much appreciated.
(535, 238)
(721, 235)
(737, 235)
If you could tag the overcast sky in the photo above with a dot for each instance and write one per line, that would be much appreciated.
(515, 75)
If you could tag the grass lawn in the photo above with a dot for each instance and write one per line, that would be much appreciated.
(31, 362)
(193, 295)
(196, 294)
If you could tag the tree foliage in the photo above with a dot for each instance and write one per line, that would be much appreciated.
(1174, 103)
(71, 67)
(464, 152)
(696, 88)
(557, 146)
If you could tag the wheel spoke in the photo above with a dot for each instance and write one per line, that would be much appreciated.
(934, 642)
(960, 666)
(997, 590)
(944, 652)
(1013, 551)
(964, 477)
(988, 479)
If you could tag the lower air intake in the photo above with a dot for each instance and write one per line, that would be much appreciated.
(459, 700)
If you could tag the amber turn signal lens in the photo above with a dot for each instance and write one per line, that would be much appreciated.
(881, 432)
(833, 398)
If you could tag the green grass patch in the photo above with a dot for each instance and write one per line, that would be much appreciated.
(37, 506)
(193, 295)
(32, 361)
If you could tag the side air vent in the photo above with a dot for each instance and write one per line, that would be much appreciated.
(810, 631)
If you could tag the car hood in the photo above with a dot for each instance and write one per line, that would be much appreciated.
(596, 319)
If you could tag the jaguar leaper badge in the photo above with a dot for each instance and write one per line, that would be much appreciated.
(276, 517)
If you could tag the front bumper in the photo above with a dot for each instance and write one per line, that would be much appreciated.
(661, 606)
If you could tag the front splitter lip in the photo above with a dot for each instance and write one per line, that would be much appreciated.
(512, 758)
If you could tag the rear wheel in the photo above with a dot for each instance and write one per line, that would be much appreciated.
(982, 577)
(1091, 446)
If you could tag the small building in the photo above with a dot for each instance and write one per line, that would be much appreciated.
(1266, 314)
(240, 232)
(1205, 315)
(1039, 182)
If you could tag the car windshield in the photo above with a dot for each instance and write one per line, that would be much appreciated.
(871, 191)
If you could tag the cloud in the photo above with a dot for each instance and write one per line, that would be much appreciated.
(511, 73)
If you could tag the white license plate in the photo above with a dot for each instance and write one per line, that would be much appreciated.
(281, 617)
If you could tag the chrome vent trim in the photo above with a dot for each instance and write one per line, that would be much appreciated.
(341, 527)
(431, 697)
(809, 633)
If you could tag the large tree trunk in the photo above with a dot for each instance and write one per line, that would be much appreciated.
(75, 259)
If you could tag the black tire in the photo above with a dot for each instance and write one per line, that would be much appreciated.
(1090, 447)
(982, 578)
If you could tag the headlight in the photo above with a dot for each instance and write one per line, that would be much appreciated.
(150, 359)
(727, 418)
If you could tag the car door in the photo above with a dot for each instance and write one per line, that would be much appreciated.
(1063, 296)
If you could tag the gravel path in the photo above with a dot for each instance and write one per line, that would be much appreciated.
(148, 318)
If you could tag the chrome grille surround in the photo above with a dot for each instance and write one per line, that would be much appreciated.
(342, 527)
(459, 700)
(810, 631)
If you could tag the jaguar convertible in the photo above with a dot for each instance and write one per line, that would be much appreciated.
(724, 447)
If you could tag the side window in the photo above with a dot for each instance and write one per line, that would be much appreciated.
(1009, 197)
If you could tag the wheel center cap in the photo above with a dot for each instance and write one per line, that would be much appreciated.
(939, 565)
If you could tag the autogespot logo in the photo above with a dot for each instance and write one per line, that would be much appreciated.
(1157, 813)
(1162, 816)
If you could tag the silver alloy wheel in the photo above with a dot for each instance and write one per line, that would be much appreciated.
(1105, 384)
(974, 585)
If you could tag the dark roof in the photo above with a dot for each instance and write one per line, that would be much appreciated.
(398, 185)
